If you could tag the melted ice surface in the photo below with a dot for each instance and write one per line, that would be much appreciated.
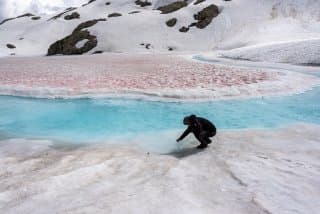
(95, 120)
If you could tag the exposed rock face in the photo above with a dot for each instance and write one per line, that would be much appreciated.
(25, 15)
(6, 20)
(11, 46)
(89, 2)
(36, 18)
(87, 24)
(69, 9)
(97, 52)
(133, 12)
(184, 29)
(199, 1)
(67, 45)
(206, 15)
(142, 3)
(171, 22)
(172, 7)
(114, 15)
(21, 16)
(73, 15)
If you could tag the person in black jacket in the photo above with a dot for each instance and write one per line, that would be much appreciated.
(202, 129)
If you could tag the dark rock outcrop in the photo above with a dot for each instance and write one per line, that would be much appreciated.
(25, 15)
(6, 20)
(184, 29)
(133, 12)
(97, 52)
(87, 24)
(199, 1)
(142, 3)
(206, 15)
(171, 22)
(21, 16)
(36, 18)
(11, 46)
(172, 7)
(73, 15)
(89, 2)
(114, 15)
(193, 24)
(67, 45)
(69, 9)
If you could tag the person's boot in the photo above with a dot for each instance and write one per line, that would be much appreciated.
(209, 141)
(202, 146)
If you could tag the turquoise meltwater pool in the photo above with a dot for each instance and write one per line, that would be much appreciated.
(86, 120)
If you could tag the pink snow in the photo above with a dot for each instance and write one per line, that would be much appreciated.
(123, 71)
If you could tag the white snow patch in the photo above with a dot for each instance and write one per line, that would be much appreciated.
(81, 43)
(253, 171)
(295, 52)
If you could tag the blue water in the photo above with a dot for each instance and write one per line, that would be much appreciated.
(84, 120)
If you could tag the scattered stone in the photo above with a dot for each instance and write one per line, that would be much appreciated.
(133, 12)
(146, 45)
(36, 18)
(97, 52)
(89, 2)
(172, 7)
(206, 15)
(184, 29)
(108, 3)
(114, 15)
(73, 15)
(199, 1)
(11, 46)
(142, 3)
(67, 45)
(171, 22)
(69, 9)
(21, 38)
(171, 48)
(12, 54)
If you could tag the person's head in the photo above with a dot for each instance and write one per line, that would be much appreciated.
(189, 120)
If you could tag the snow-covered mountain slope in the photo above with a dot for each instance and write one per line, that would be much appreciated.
(138, 26)
(298, 52)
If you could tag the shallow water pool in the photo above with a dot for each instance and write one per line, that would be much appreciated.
(88, 120)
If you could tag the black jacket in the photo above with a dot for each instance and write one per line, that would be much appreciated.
(197, 126)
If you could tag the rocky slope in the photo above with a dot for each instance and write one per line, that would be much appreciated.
(160, 26)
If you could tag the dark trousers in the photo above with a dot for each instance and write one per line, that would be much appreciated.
(204, 137)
